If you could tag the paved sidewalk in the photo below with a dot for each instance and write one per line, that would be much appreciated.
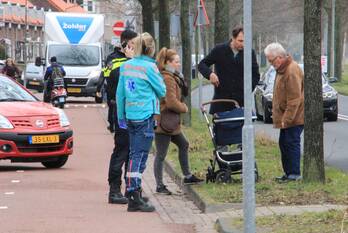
(178, 209)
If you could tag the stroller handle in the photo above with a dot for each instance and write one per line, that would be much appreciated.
(219, 101)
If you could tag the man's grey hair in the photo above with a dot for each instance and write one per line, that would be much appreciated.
(275, 49)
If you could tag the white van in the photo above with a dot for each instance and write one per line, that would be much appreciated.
(76, 40)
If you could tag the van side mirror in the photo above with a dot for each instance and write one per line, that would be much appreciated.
(38, 61)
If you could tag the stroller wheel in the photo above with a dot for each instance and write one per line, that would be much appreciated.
(223, 177)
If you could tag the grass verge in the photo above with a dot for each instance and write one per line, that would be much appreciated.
(342, 86)
(332, 221)
(195, 83)
(268, 192)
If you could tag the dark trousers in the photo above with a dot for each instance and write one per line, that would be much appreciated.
(141, 134)
(162, 143)
(290, 148)
(111, 112)
(119, 157)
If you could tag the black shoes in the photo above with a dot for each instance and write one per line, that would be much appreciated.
(162, 189)
(136, 203)
(192, 180)
(116, 197)
(111, 129)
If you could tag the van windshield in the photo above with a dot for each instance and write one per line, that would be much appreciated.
(75, 55)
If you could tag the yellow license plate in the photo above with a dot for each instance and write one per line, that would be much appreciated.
(44, 139)
(34, 83)
(74, 90)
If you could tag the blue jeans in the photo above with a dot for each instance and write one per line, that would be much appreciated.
(141, 134)
(290, 148)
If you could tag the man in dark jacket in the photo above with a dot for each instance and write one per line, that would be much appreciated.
(228, 78)
(47, 78)
(119, 157)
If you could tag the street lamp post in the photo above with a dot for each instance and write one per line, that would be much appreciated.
(248, 128)
(26, 46)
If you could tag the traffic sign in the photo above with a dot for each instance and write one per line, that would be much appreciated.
(118, 28)
(324, 64)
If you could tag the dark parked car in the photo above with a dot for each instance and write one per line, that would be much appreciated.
(264, 96)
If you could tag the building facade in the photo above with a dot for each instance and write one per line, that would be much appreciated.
(21, 26)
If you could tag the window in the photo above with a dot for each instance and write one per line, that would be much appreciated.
(90, 6)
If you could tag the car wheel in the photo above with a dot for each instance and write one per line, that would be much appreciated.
(332, 117)
(267, 115)
(56, 164)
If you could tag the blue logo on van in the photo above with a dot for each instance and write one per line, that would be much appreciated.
(74, 27)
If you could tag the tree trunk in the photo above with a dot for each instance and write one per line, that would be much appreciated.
(338, 40)
(164, 24)
(147, 16)
(186, 54)
(222, 21)
(329, 31)
(313, 162)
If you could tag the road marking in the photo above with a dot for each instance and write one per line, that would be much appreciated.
(15, 181)
(343, 117)
(20, 171)
(9, 193)
(85, 106)
(3, 207)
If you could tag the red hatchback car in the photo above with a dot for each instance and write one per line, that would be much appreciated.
(30, 130)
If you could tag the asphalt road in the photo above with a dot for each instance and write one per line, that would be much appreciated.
(335, 133)
(74, 198)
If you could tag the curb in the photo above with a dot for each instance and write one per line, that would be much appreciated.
(223, 226)
(194, 196)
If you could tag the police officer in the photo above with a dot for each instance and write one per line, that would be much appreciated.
(119, 157)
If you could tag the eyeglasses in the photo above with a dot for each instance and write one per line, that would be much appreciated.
(273, 60)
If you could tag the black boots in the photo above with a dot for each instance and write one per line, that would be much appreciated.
(144, 198)
(136, 203)
(115, 196)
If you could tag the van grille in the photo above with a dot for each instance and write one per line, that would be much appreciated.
(77, 81)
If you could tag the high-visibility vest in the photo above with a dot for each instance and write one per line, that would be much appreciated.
(106, 72)
(117, 62)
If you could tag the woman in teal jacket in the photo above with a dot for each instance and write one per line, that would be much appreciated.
(138, 95)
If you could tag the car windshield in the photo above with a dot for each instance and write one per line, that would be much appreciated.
(271, 74)
(75, 55)
(31, 68)
(270, 77)
(11, 91)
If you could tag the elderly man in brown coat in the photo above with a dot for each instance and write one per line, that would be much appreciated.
(288, 109)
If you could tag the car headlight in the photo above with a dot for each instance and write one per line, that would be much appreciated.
(94, 74)
(269, 96)
(330, 95)
(5, 123)
(64, 121)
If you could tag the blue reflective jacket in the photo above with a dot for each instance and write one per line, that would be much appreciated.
(139, 89)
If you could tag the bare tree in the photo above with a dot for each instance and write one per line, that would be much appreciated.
(147, 16)
(164, 24)
(313, 163)
(222, 21)
(186, 54)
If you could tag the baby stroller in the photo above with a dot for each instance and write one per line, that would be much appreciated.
(225, 130)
